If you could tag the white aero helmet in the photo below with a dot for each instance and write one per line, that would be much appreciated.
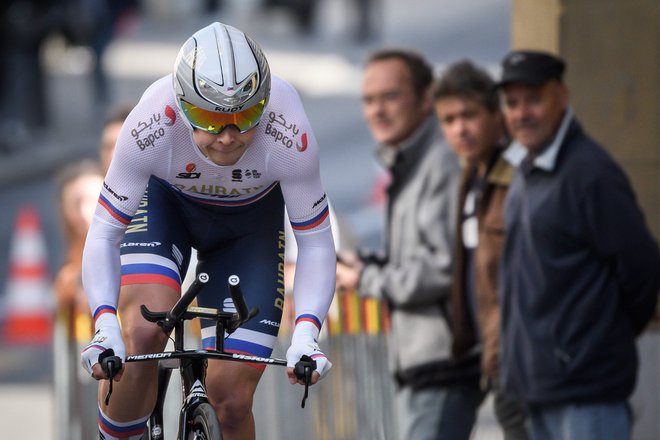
(221, 78)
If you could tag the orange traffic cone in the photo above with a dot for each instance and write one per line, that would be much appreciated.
(29, 303)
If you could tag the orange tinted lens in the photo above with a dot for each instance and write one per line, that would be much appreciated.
(215, 122)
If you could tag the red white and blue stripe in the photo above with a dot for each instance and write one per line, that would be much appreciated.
(114, 211)
(149, 269)
(313, 222)
(243, 341)
(122, 430)
(308, 317)
(318, 355)
(102, 309)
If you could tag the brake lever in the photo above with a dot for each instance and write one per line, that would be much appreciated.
(303, 370)
(110, 364)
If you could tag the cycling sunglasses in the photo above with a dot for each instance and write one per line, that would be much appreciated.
(215, 122)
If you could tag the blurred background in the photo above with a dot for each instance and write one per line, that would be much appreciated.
(66, 63)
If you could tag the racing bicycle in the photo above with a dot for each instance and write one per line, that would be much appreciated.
(197, 418)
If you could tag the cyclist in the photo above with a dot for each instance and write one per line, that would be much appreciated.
(208, 158)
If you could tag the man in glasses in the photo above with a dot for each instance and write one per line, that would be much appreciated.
(436, 396)
(207, 159)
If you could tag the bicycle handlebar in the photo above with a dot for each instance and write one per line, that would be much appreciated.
(174, 315)
(177, 311)
(168, 321)
(242, 313)
(230, 321)
(237, 296)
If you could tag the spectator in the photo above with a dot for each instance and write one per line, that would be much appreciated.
(467, 106)
(437, 397)
(369, 16)
(24, 27)
(302, 11)
(79, 185)
(95, 23)
(580, 268)
(110, 133)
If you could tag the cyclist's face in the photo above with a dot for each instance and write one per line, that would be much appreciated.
(389, 103)
(224, 148)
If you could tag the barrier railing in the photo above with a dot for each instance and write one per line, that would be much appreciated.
(354, 402)
(75, 392)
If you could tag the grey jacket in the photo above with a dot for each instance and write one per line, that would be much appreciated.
(414, 276)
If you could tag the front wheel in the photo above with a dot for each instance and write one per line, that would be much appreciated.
(205, 425)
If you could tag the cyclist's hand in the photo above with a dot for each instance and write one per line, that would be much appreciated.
(303, 342)
(107, 336)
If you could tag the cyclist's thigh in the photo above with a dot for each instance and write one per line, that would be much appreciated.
(255, 253)
(154, 253)
(156, 246)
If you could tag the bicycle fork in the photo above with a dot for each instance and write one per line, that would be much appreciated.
(193, 376)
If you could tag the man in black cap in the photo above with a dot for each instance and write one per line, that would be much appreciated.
(579, 277)
(534, 75)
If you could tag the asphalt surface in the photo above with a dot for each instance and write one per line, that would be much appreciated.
(324, 65)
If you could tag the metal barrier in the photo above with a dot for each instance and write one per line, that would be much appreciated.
(354, 402)
(75, 392)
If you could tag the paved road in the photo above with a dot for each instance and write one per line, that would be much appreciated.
(27, 413)
(324, 66)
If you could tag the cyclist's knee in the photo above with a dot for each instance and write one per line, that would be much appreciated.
(233, 410)
(230, 387)
(143, 337)
(140, 335)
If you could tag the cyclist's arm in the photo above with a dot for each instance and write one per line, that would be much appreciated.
(121, 195)
(309, 216)
(314, 282)
(298, 170)
(101, 268)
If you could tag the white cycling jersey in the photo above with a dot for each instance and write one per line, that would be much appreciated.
(156, 139)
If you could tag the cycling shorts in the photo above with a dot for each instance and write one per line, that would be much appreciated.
(246, 240)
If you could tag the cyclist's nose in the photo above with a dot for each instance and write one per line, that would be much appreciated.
(227, 135)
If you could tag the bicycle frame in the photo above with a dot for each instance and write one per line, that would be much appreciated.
(193, 363)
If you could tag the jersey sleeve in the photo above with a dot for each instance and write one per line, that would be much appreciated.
(141, 150)
(297, 168)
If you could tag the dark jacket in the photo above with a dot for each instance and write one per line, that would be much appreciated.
(580, 278)
(490, 217)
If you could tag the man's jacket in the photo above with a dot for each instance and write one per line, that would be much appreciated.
(415, 275)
